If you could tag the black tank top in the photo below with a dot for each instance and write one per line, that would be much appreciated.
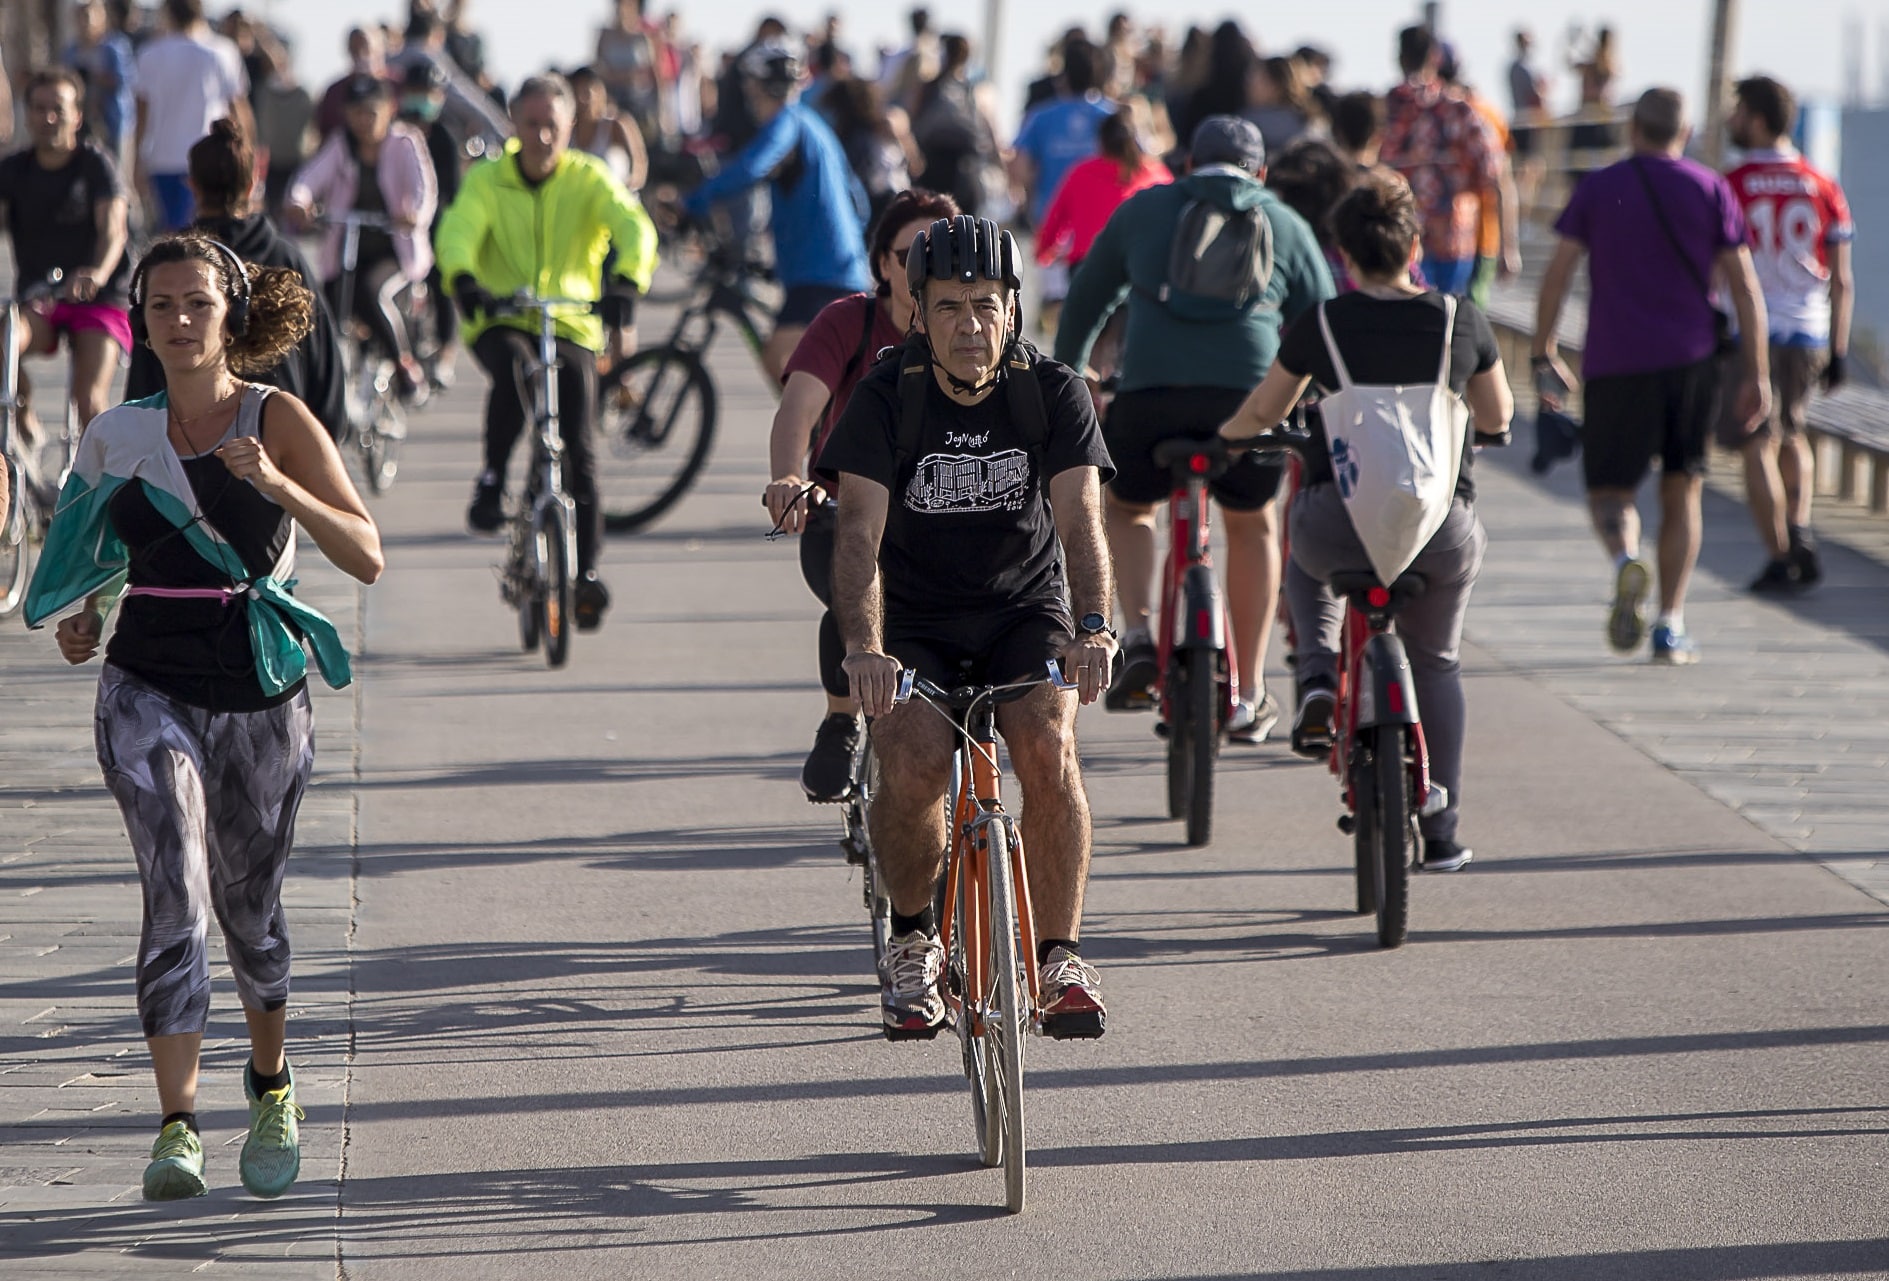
(198, 651)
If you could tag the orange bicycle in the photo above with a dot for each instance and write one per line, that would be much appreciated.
(989, 934)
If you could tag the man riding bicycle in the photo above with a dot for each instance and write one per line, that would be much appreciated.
(1202, 329)
(376, 165)
(995, 458)
(542, 217)
(65, 210)
(818, 206)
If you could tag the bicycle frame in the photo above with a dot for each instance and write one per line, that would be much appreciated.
(1375, 689)
(717, 292)
(1193, 612)
(548, 455)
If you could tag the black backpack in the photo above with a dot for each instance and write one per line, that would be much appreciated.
(1022, 390)
(1219, 266)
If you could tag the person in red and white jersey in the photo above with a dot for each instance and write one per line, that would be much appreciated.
(1800, 244)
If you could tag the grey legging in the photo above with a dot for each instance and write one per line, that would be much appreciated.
(1431, 626)
(209, 800)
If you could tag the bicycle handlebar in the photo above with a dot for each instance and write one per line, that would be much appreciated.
(965, 697)
(44, 287)
(524, 300)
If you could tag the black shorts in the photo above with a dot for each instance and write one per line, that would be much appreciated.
(1632, 419)
(802, 303)
(993, 650)
(1140, 420)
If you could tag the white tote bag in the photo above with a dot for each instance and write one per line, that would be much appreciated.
(1395, 455)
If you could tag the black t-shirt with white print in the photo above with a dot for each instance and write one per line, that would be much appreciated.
(1390, 342)
(969, 529)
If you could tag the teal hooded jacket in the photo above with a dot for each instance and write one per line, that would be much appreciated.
(1162, 347)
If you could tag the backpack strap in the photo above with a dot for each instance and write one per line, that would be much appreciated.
(1449, 337)
(1337, 360)
(914, 373)
(1024, 393)
(871, 310)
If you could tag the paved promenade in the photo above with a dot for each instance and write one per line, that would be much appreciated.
(583, 987)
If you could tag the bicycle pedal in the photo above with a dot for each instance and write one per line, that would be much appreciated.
(927, 1033)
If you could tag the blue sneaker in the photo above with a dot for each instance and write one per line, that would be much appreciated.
(272, 1154)
(1675, 649)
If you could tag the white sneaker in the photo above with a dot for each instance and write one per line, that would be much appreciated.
(909, 999)
(1252, 722)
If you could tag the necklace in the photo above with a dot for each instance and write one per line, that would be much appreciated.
(183, 424)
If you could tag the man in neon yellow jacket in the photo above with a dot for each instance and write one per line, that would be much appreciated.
(542, 217)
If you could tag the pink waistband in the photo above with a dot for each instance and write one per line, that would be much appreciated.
(186, 593)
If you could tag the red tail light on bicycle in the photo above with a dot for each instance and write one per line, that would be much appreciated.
(1379, 597)
(1199, 464)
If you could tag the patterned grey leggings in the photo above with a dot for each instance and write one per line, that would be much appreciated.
(209, 800)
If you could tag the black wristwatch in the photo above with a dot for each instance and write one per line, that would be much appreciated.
(1094, 625)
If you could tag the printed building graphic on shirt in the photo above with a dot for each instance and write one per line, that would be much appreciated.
(965, 483)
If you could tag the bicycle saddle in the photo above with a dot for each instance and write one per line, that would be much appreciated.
(1359, 582)
(1186, 458)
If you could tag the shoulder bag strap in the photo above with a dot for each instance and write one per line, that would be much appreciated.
(1449, 337)
(1685, 259)
(1331, 349)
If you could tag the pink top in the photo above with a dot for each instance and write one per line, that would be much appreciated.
(1090, 192)
(407, 185)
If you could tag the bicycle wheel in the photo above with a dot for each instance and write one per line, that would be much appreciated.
(1178, 711)
(971, 1043)
(658, 425)
(1364, 828)
(1393, 837)
(1006, 1013)
(16, 548)
(524, 573)
(557, 606)
(381, 454)
(1203, 733)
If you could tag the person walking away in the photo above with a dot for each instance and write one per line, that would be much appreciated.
(1051, 141)
(66, 212)
(1447, 153)
(1279, 103)
(1311, 177)
(877, 142)
(1528, 114)
(374, 166)
(840, 347)
(1498, 221)
(966, 541)
(222, 176)
(1211, 267)
(1801, 238)
(186, 81)
(543, 217)
(1655, 228)
(818, 207)
(1387, 333)
(105, 62)
(186, 507)
(956, 132)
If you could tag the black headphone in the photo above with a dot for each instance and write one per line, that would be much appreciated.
(238, 319)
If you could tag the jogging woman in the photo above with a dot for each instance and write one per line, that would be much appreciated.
(187, 504)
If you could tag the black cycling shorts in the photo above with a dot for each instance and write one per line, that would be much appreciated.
(1631, 419)
(802, 303)
(986, 650)
(1140, 420)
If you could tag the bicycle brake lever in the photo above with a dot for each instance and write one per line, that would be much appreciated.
(907, 678)
(1056, 677)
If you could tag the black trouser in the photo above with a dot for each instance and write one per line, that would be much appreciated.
(377, 287)
(506, 354)
(816, 566)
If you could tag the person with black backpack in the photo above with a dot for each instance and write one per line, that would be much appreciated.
(839, 348)
(970, 548)
(1210, 268)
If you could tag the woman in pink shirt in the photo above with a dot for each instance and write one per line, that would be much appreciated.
(1094, 188)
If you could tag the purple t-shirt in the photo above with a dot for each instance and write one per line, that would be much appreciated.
(1645, 310)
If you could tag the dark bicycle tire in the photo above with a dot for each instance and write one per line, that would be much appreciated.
(16, 544)
(1393, 815)
(662, 384)
(528, 571)
(557, 604)
(1007, 1014)
(1363, 828)
(1203, 734)
(1176, 710)
(971, 1044)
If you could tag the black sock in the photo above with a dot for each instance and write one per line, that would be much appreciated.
(926, 922)
(188, 1118)
(261, 1085)
(1045, 946)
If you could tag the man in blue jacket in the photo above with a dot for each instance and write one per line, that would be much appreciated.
(819, 209)
(1192, 350)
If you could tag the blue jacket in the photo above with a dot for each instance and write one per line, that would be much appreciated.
(819, 208)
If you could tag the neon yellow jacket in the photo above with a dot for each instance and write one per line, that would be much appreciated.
(550, 239)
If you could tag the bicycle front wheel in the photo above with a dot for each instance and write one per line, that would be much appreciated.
(971, 1042)
(557, 605)
(16, 548)
(1393, 834)
(381, 453)
(658, 426)
(1006, 1017)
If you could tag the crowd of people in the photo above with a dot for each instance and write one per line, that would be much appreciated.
(1218, 235)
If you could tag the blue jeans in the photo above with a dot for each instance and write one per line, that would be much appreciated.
(1449, 275)
(176, 207)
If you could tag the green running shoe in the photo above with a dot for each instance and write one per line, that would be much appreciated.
(272, 1155)
(176, 1169)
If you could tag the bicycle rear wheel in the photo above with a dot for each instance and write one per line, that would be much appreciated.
(1006, 1013)
(1392, 834)
(557, 605)
(1178, 713)
(1203, 732)
(16, 547)
(658, 425)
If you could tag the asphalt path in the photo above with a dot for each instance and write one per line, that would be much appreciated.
(596, 993)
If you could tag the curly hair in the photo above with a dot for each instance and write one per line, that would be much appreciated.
(281, 309)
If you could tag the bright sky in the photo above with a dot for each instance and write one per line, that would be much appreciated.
(1660, 41)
